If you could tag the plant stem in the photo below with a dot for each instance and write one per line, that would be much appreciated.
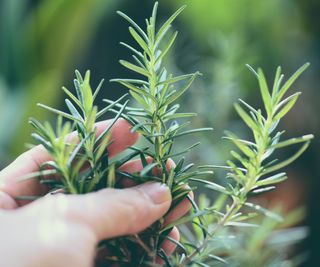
(236, 205)
(252, 177)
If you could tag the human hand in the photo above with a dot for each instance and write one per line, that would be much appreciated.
(63, 230)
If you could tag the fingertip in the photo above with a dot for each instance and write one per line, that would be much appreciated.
(158, 193)
(191, 195)
(181, 209)
(170, 164)
(168, 245)
(7, 202)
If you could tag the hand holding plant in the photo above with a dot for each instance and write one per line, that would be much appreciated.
(73, 221)
(83, 163)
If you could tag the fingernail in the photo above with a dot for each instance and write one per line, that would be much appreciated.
(159, 193)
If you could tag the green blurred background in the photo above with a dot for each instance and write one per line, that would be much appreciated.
(43, 41)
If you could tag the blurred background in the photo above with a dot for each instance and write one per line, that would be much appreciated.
(43, 41)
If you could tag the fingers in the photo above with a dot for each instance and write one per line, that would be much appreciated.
(136, 166)
(26, 163)
(181, 209)
(122, 136)
(114, 212)
(169, 246)
(30, 161)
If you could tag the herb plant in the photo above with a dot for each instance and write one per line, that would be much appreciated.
(252, 170)
(80, 162)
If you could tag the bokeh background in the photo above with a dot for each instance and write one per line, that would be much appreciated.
(43, 41)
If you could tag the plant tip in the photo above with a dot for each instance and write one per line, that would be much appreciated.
(308, 137)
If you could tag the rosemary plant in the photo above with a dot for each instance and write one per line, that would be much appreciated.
(80, 162)
(156, 119)
(253, 169)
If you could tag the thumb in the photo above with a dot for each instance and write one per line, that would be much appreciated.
(116, 212)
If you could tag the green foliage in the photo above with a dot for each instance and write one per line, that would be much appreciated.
(80, 162)
(79, 158)
(253, 170)
(156, 119)
(261, 241)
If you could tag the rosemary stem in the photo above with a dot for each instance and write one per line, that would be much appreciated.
(158, 139)
(236, 205)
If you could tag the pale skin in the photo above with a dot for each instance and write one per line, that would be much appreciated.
(63, 230)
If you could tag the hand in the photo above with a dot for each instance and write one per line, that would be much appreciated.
(63, 230)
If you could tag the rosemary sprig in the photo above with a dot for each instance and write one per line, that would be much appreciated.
(80, 159)
(156, 117)
(253, 170)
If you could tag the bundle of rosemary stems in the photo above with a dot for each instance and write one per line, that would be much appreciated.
(82, 165)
